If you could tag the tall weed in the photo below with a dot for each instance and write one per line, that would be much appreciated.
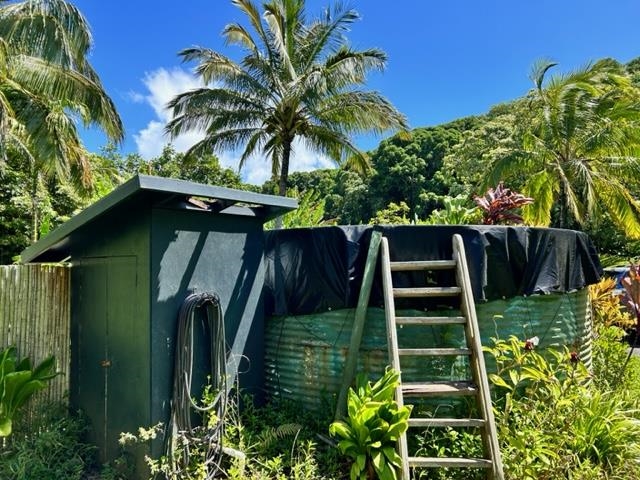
(554, 423)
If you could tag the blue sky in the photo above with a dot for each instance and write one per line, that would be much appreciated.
(446, 59)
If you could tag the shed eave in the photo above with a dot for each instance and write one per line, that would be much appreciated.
(273, 206)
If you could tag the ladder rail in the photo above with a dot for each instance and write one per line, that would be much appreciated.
(392, 345)
(472, 331)
(477, 386)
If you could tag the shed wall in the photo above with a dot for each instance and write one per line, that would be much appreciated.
(110, 378)
(196, 252)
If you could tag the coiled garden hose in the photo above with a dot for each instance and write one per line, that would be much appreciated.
(208, 437)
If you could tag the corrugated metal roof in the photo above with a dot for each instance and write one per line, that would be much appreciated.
(165, 192)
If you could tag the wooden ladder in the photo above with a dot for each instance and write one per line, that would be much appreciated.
(477, 386)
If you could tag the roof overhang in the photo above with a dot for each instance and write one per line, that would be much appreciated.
(165, 193)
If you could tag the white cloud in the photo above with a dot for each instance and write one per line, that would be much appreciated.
(257, 169)
(136, 97)
(162, 85)
(150, 140)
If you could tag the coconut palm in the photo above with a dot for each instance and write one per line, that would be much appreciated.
(46, 84)
(297, 79)
(581, 146)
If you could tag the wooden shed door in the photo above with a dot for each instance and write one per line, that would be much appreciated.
(109, 387)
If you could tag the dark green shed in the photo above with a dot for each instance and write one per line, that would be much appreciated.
(136, 254)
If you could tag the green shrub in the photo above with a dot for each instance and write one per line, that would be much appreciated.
(606, 306)
(51, 449)
(553, 423)
(19, 380)
(370, 433)
(449, 442)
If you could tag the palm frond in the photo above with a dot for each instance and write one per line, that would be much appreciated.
(326, 33)
(221, 141)
(236, 34)
(543, 188)
(55, 83)
(358, 111)
(539, 70)
(296, 81)
(53, 30)
(624, 209)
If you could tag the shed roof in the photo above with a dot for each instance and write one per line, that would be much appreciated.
(163, 193)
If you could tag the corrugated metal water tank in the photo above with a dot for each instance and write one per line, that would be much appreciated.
(526, 282)
(305, 354)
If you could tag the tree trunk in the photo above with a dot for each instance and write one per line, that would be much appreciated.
(284, 175)
(284, 168)
(35, 207)
(563, 206)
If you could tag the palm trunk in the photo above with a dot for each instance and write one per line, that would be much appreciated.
(284, 168)
(35, 207)
(562, 220)
(284, 175)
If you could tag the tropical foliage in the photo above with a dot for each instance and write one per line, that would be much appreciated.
(606, 305)
(588, 433)
(371, 431)
(298, 80)
(456, 211)
(51, 445)
(18, 382)
(46, 83)
(582, 141)
(498, 205)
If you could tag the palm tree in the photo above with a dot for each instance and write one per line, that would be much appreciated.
(46, 84)
(296, 80)
(581, 145)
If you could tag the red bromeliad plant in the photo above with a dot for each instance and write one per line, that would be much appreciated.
(631, 283)
(498, 205)
(631, 299)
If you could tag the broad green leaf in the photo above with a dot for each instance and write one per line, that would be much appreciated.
(387, 473)
(341, 429)
(13, 382)
(26, 391)
(46, 369)
(5, 426)
(392, 456)
(354, 473)
(498, 380)
(348, 447)
(377, 458)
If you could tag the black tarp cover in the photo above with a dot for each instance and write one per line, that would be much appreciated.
(310, 270)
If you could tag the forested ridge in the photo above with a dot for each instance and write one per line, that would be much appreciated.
(410, 175)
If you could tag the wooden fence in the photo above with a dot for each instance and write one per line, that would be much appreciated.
(35, 317)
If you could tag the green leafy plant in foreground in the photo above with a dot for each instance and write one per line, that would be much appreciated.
(50, 446)
(553, 423)
(374, 424)
(18, 382)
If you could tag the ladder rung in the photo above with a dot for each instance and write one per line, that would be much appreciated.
(441, 462)
(430, 320)
(446, 422)
(433, 351)
(427, 292)
(428, 389)
(422, 265)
